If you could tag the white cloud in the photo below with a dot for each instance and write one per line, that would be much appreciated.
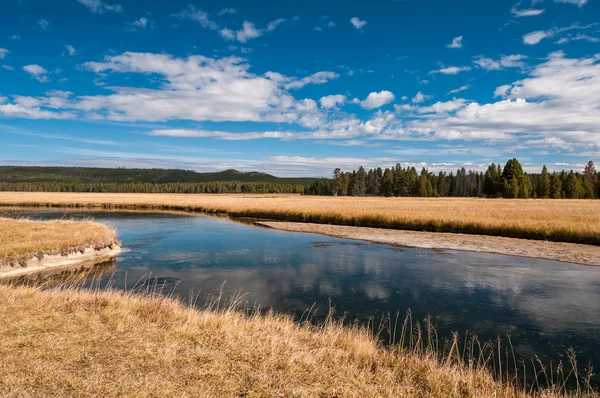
(141, 23)
(451, 70)
(99, 7)
(225, 11)
(3, 53)
(315, 78)
(274, 24)
(456, 43)
(558, 100)
(70, 49)
(332, 101)
(377, 100)
(193, 14)
(505, 61)
(36, 108)
(578, 37)
(358, 23)
(201, 88)
(420, 97)
(224, 135)
(8, 67)
(579, 3)
(437, 108)
(249, 31)
(42, 23)
(529, 12)
(15, 37)
(535, 37)
(37, 72)
(539, 35)
(502, 91)
(460, 89)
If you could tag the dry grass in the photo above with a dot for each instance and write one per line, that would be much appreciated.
(63, 343)
(23, 239)
(576, 221)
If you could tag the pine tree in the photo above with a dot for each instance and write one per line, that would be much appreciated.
(543, 185)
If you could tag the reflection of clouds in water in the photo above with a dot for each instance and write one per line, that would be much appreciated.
(557, 297)
(554, 297)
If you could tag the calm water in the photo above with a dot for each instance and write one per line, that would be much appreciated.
(545, 306)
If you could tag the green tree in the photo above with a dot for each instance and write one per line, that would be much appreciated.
(490, 181)
(543, 185)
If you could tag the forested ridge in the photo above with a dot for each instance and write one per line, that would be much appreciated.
(509, 181)
(121, 180)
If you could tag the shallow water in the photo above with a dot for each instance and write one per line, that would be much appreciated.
(545, 306)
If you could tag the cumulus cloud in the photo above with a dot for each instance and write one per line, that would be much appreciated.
(558, 100)
(332, 101)
(358, 23)
(420, 97)
(3, 53)
(451, 70)
(456, 43)
(141, 23)
(37, 72)
(556, 103)
(71, 50)
(99, 7)
(48, 107)
(377, 100)
(505, 61)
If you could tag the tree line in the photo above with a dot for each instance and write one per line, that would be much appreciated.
(145, 187)
(509, 181)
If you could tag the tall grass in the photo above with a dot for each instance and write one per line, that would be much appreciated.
(70, 341)
(575, 221)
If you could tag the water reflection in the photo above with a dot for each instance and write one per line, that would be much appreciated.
(545, 306)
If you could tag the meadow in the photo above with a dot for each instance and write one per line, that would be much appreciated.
(575, 221)
(22, 239)
(69, 341)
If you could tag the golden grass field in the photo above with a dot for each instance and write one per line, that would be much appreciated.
(576, 221)
(88, 343)
(21, 239)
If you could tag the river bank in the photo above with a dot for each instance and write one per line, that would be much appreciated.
(28, 247)
(557, 251)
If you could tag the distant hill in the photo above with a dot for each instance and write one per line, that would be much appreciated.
(123, 175)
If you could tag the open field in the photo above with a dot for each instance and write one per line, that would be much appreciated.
(576, 221)
(72, 342)
(22, 240)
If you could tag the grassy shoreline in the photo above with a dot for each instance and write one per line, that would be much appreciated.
(69, 341)
(22, 240)
(572, 221)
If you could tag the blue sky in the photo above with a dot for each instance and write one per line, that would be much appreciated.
(298, 88)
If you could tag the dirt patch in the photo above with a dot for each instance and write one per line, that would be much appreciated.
(558, 251)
